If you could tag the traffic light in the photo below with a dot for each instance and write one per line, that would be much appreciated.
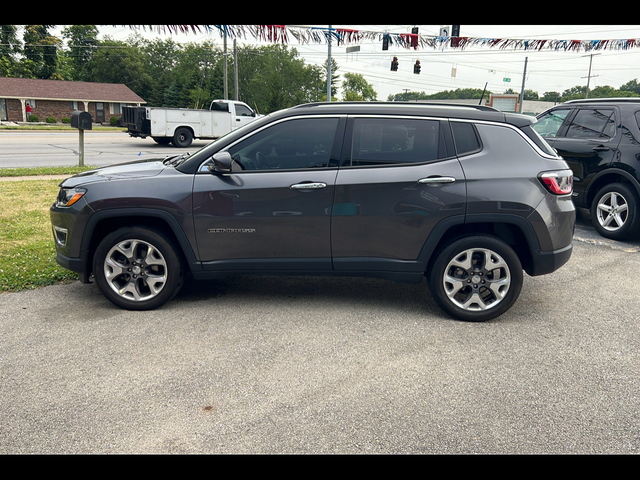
(455, 33)
(416, 67)
(385, 42)
(394, 64)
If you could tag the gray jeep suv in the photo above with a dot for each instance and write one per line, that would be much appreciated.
(467, 196)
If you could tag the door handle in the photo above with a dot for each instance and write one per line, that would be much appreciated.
(600, 148)
(304, 186)
(436, 180)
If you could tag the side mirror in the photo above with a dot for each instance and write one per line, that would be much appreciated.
(222, 162)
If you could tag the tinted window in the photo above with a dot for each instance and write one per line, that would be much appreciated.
(394, 141)
(243, 111)
(465, 137)
(550, 122)
(592, 123)
(294, 144)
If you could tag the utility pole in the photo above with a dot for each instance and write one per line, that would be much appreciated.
(235, 69)
(329, 67)
(224, 72)
(524, 76)
(589, 76)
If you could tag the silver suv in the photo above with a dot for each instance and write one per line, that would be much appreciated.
(467, 196)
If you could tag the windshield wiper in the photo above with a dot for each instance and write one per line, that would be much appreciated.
(176, 160)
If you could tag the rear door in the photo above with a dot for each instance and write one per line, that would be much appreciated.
(588, 142)
(396, 182)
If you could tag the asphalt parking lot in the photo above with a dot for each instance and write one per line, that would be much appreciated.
(332, 366)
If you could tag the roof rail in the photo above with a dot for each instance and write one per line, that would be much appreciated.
(599, 99)
(416, 104)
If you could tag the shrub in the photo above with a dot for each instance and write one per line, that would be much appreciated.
(51, 120)
(66, 120)
(33, 118)
(114, 121)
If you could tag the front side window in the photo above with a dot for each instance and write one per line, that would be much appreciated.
(242, 111)
(592, 123)
(292, 144)
(390, 141)
(549, 123)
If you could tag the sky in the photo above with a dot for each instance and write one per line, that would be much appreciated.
(546, 70)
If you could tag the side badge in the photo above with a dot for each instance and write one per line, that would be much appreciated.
(232, 230)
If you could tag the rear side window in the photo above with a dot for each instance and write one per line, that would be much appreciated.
(393, 141)
(465, 137)
(592, 123)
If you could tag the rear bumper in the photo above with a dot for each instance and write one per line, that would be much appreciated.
(548, 262)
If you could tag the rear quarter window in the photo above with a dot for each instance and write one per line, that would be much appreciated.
(538, 140)
(466, 138)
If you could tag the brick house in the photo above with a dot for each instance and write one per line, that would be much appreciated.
(58, 99)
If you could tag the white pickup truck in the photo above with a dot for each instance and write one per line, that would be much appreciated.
(180, 126)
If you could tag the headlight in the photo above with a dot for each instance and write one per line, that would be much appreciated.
(69, 196)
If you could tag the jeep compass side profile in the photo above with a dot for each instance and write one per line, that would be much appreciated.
(467, 196)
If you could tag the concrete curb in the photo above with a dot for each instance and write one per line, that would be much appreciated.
(35, 177)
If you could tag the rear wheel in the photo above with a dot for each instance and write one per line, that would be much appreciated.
(137, 268)
(182, 137)
(476, 278)
(615, 212)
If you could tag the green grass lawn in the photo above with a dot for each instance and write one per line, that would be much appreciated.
(27, 251)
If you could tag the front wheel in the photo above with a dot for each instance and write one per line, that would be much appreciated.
(615, 212)
(476, 278)
(137, 268)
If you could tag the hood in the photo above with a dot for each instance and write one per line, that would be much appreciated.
(129, 170)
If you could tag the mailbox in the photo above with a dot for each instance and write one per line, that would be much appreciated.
(81, 120)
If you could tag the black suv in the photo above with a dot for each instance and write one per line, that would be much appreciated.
(600, 140)
(468, 196)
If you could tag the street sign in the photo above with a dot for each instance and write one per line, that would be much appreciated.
(506, 79)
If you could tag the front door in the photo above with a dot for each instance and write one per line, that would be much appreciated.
(274, 211)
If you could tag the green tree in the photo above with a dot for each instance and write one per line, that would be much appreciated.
(631, 86)
(551, 97)
(274, 77)
(356, 88)
(121, 62)
(82, 40)
(41, 48)
(10, 49)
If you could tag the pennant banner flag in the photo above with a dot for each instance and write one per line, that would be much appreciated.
(342, 36)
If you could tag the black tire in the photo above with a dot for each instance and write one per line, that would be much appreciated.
(614, 212)
(182, 137)
(137, 268)
(464, 285)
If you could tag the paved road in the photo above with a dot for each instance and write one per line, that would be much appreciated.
(314, 365)
(59, 148)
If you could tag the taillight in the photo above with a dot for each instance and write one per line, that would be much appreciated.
(559, 182)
